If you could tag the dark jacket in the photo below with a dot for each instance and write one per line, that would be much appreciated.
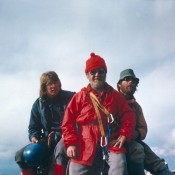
(47, 114)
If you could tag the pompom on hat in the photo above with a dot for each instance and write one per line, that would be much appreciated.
(95, 62)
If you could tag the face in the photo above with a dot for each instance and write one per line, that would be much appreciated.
(52, 88)
(128, 85)
(97, 78)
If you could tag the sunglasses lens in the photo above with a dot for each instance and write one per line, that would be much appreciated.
(100, 72)
(130, 79)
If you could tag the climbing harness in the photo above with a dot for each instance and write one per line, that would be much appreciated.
(104, 142)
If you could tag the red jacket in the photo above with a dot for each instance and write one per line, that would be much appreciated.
(80, 123)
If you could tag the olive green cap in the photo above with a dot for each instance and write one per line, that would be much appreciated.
(127, 73)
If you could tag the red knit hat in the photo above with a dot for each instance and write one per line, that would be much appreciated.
(95, 62)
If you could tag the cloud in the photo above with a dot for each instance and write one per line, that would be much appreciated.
(155, 95)
(171, 138)
(37, 36)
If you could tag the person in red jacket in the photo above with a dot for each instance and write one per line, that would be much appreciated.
(97, 119)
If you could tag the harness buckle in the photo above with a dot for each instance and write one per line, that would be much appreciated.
(110, 119)
(104, 141)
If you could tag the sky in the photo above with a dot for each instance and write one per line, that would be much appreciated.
(41, 35)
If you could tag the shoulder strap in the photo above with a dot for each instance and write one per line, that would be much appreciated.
(101, 107)
(98, 106)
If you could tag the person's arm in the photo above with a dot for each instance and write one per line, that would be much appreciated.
(141, 125)
(69, 129)
(34, 128)
(127, 118)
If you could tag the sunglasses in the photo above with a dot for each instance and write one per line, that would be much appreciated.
(134, 80)
(100, 72)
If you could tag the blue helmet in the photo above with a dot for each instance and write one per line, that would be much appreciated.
(36, 154)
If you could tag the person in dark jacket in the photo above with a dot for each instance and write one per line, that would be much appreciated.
(45, 120)
(140, 156)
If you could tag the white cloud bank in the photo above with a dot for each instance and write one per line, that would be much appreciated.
(38, 36)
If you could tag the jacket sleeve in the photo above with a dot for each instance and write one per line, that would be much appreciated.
(127, 118)
(69, 127)
(34, 128)
(141, 125)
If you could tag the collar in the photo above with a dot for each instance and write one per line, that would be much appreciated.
(133, 100)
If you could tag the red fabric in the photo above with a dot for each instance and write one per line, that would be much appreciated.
(27, 172)
(81, 112)
(95, 62)
(59, 170)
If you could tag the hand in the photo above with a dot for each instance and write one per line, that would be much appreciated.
(34, 140)
(72, 151)
(119, 142)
